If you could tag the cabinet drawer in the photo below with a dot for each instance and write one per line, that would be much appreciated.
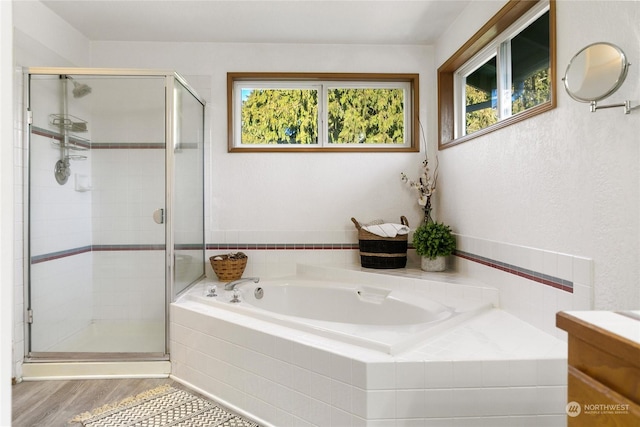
(605, 367)
(599, 405)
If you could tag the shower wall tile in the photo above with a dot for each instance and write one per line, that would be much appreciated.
(61, 300)
(139, 116)
(128, 285)
(128, 186)
(60, 216)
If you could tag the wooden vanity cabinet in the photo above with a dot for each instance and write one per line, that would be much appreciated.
(604, 370)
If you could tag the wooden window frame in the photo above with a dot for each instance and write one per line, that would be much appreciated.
(412, 79)
(502, 20)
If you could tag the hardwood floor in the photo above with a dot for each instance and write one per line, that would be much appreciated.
(54, 403)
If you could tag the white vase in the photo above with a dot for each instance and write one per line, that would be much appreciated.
(438, 264)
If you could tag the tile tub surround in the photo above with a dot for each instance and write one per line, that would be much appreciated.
(508, 268)
(555, 269)
(492, 369)
(534, 284)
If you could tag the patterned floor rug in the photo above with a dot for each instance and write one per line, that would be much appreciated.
(162, 407)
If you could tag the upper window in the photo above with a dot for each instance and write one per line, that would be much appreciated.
(504, 74)
(328, 112)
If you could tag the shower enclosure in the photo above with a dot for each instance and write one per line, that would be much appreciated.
(114, 208)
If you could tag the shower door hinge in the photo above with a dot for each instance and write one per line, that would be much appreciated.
(29, 316)
(29, 117)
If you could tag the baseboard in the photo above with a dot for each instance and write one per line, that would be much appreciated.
(95, 370)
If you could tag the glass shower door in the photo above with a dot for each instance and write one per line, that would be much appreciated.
(97, 239)
(188, 211)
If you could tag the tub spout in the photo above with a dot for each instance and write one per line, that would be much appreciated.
(232, 285)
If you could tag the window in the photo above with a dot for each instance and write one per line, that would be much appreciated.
(322, 112)
(503, 75)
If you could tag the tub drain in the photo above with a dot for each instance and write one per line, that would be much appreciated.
(258, 293)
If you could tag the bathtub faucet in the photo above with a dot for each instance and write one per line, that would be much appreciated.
(232, 285)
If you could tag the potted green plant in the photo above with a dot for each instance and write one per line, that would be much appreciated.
(433, 241)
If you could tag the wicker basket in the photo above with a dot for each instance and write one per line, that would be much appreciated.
(228, 269)
(382, 252)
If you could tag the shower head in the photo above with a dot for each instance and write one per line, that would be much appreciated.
(79, 89)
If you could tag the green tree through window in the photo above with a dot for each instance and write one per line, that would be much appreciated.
(355, 116)
(347, 112)
(533, 91)
(280, 116)
(498, 79)
(481, 116)
(374, 116)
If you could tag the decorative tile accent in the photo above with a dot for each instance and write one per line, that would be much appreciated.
(59, 254)
(536, 276)
(280, 246)
(127, 145)
(95, 248)
(104, 248)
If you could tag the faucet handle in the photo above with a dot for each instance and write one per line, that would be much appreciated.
(236, 296)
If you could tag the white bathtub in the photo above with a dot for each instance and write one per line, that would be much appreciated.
(373, 317)
(361, 349)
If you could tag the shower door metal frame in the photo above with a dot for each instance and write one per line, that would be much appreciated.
(170, 294)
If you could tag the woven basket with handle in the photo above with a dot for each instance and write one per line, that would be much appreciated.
(228, 269)
(382, 252)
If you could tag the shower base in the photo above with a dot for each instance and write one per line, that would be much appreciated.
(105, 349)
(94, 370)
(109, 336)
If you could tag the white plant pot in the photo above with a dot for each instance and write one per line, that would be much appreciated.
(438, 264)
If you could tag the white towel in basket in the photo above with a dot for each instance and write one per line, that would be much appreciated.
(386, 229)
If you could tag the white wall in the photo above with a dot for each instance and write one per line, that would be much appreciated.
(7, 120)
(565, 181)
(288, 197)
(49, 39)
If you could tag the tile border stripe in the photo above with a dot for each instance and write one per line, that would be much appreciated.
(545, 279)
(280, 246)
(555, 282)
(36, 259)
(187, 246)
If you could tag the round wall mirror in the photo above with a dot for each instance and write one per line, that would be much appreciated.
(596, 72)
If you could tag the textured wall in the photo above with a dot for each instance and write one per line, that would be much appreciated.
(567, 180)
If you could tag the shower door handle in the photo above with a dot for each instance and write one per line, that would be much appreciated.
(158, 216)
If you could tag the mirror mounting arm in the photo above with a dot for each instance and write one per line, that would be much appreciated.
(595, 73)
(626, 104)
